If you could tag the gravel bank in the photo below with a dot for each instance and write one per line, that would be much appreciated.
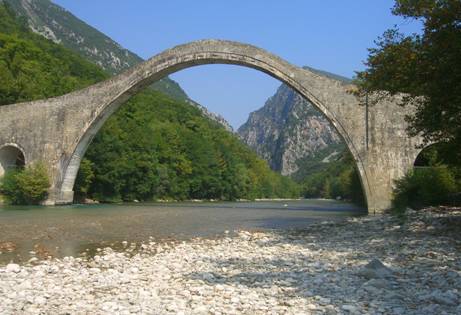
(370, 265)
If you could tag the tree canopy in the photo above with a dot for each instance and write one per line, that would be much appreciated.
(426, 67)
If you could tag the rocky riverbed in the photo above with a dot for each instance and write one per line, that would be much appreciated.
(369, 265)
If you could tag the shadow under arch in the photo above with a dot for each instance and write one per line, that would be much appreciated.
(117, 90)
(433, 155)
(11, 156)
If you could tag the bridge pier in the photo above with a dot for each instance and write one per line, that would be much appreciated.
(56, 198)
(64, 198)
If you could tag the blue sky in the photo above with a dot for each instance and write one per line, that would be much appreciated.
(331, 35)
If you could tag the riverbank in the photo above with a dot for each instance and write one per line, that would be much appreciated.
(324, 268)
(87, 201)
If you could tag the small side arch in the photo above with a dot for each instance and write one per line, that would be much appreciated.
(430, 156)
(11, 156)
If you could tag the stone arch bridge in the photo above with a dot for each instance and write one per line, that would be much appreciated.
(57, 131)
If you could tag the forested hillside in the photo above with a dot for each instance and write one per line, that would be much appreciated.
(160, 148)
(61, 26)
(155, 147)
(32, 67)
(338, 178)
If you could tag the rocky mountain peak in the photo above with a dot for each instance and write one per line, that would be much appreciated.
(288, 130)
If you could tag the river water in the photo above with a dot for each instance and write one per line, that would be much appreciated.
(81, 229)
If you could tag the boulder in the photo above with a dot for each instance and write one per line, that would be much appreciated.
(375, 269)
(13, 268)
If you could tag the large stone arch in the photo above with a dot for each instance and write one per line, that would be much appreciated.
(59, 130)
(195, 54)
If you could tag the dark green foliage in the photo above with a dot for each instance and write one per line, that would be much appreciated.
(25, 186)
(427, 67)
(32, 67)
(84, 179)
(422, 187)
(8, 183)
(339, 178)
(159, 148)
(434, 181)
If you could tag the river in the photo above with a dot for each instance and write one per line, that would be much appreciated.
(80, 229)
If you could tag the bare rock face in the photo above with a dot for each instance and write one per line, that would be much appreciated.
(286, 130)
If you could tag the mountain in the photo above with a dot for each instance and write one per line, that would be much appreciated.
(62, 27)
(33, 67)
(290, 133)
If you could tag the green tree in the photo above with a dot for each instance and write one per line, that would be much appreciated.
(326, 189)
(426, 67)
(424, 187)
(340, 178)
(26, 186)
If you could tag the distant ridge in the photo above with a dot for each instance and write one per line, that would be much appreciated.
(329, 75)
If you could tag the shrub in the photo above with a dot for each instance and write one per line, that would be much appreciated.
(26, 186)
(424, 187)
